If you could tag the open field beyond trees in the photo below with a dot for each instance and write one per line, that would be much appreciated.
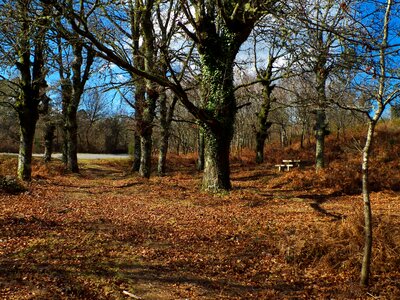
(292, 235)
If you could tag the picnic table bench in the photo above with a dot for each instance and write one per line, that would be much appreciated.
(288, 163)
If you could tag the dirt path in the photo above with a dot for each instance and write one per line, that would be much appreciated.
(81, 155)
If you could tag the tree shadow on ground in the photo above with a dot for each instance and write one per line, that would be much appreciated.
(318, 200)
(99, 260)
(254, 176)
(95, 171)
(92, 280)
(82, 264)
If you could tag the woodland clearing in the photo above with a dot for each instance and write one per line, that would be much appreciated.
(274, 236)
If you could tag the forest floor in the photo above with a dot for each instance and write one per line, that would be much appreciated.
(105, 232)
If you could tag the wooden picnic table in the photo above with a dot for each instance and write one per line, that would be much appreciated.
(288, 163)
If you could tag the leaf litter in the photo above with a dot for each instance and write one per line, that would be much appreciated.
(98, 234)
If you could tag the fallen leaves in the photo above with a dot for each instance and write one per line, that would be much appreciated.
(96, 235)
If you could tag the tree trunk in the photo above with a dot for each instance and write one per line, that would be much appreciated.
(200, 159)
(263, 124)
(302, 136)
(27, 123)
(321, 74)
(262, 132)
(260, 144)
(89, 147)
(64, 157)
(48, 141)
(162, 155)
(320, 133)
(30, 65)
(151, 97)
(72, 90)
(220, 111)
(216, 175)
(283, 136)
(166, 115)
(366, 262)
(145, 158)
(137, 153)
(72, 139)
(146, 130)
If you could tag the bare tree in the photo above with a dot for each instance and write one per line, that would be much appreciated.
(95, 107)
(23, 33)
(74, 70)
(377, 84)
(273, 34)
(319, 53)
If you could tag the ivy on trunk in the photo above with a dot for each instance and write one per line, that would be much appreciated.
(220, 29)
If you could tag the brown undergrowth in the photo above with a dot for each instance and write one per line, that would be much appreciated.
(274, 236)
(343, 159)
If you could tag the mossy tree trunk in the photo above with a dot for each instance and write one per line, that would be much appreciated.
(137, 149)
(220, 30)
(164, 127)
(216, 175)
(146, 132)
(220, 108)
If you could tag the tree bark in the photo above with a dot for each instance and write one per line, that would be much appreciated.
(72, 138)
(166, 115)
(162, 155)
(366, 262)
(28, 120)
(263, 124)
(200, 158)
(164, 126)
(48, 140)
(64, 150)
(219, 116)
(72, 88)
(32, 83)
(320, 133)
(216, 161)
(145, 158)
(136, 153)
(260, 144)
(149, 101)
(321, 74)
